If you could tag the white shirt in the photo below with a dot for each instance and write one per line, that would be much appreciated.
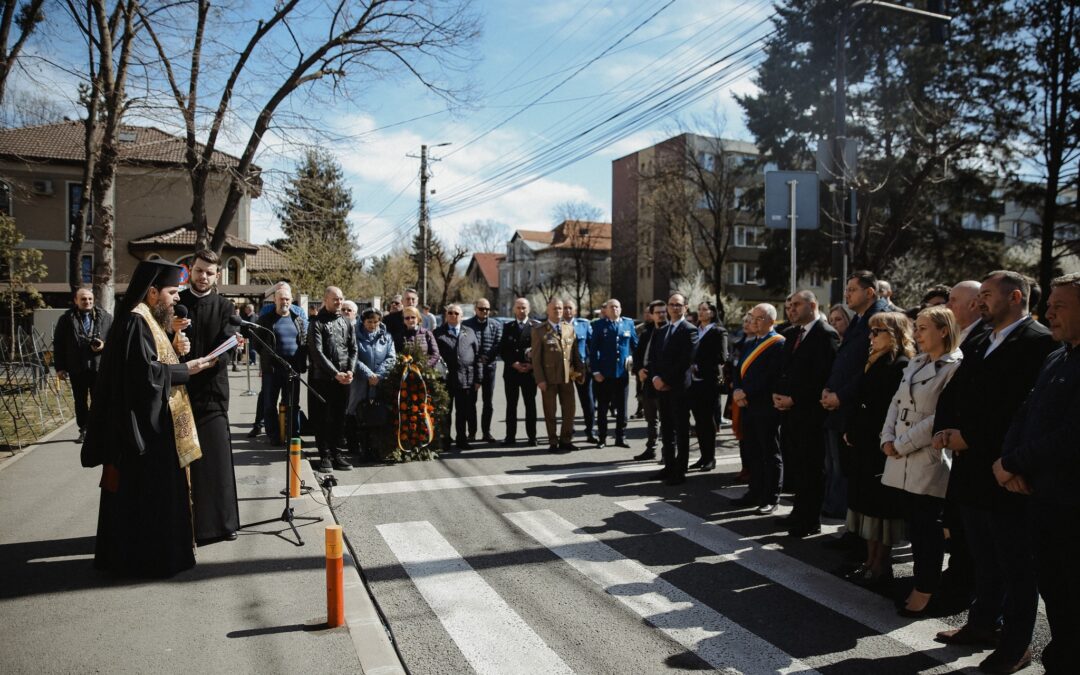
(997, 337)
(967, 331)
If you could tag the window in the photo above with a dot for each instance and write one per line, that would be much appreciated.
(743, 274)
(749, 237)
(74, 201)
(86, 269)
(737, 202)
(707, 161)
(974, 221)
(5, 199)
(232, 272)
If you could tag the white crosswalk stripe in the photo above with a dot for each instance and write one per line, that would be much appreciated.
(719, 641)
(493, 637)
(845, 598)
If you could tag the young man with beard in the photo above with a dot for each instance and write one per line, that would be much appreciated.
(142, 432)
(213, 480)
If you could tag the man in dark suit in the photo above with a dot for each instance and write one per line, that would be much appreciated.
(460, 351)
(753, 386)
(78, 341)
(655, 321)
(489, 332)
(838, 396)
(671, 357)
(806, 364)
(980, 403)
(1039, 457)
(517, 371)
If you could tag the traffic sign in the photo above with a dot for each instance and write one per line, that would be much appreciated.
(778, 211)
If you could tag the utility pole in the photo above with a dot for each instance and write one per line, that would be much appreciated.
(425, 223)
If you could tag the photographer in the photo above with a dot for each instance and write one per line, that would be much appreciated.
(77, 345)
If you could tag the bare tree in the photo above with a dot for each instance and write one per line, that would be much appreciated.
(374, 38)
(484, 236)
(581, 239)
(24, 18)
(446, 269)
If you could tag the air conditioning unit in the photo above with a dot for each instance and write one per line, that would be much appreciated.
(43, 187)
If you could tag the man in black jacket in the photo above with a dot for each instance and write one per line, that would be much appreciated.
(78, 341)
(976, 410)
(213, 478)
(671, 356)
(460, 351)
(517, 371)
(1039, 457)
(489, 333)
(656, 320)
(807, 361)
(332, 356)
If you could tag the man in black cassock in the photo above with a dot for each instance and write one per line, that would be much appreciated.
(213, 479)
(142, 432)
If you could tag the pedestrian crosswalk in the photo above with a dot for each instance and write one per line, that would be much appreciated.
(494, 637)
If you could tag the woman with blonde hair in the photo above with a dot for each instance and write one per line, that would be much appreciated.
(874, 511)
(912, 465)
(415, 333)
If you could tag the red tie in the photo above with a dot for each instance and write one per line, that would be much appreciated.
(798, 338)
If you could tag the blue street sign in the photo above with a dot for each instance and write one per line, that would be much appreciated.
(778, 200)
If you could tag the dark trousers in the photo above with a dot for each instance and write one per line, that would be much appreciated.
(1057, 549)
(923, 513)
(81, 386)
(273, 391)
(703, 404)
(588, 409)
(1005, 586)
(611, 394)
(650, 402)
(675, 430)
(761, 435)
(958, 579)
(804, 466)
(465, 400)
(523, 385)
(835, 481)
(328, 419)
(487, 392)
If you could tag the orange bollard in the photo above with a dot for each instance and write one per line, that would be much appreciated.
(335, 577)
(294, 468)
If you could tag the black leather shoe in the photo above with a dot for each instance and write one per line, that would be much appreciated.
(464, 446)
(968, 635)
(744, 501)
(82, 436)
(532, 441)
(324, 464)
(801, 531)
(709, 465)
(509, 441)
(675, 479)
(601, 444)
(621, 444)
(567, 447)
(255, 431)
(488, 438)
(1002, 665)
(231, 536)
(659, 475)
(591, 439)
(648, 454)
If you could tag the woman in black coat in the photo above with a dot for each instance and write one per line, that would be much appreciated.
(875, 511)
(711, 352)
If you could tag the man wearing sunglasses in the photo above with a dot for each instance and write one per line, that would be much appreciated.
(489, 333)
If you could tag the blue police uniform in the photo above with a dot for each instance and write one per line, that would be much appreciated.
(583, 331)
(611, 345)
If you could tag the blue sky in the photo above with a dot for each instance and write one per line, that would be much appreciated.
(526, 48)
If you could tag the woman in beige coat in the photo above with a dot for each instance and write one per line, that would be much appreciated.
(912, 464)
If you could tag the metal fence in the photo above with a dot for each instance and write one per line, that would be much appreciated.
(33, 401)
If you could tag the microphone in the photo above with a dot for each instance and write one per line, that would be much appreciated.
(181, 311)
(235, 320)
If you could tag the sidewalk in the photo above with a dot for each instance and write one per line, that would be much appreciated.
(257, 604)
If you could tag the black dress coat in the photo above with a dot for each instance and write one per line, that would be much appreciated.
(516, 339)
(803, 372)
(461, 355)
(861, 456)
(71, 343)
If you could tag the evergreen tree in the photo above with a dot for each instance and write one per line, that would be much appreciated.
(935, 122)
(316, 200)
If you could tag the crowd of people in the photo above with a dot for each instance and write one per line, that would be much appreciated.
(951, 426)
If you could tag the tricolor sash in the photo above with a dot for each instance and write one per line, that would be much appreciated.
(758, 351)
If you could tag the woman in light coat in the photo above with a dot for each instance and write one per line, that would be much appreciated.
(374, 358)
(913, 465)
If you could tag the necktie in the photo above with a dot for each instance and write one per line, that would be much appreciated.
(86, 322)
(798, 338)
(454, 331)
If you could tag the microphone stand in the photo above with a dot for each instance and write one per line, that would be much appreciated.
(292, 377)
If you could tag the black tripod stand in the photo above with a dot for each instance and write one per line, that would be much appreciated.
(291, 390)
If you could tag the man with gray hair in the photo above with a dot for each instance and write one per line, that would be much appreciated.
(460, 351)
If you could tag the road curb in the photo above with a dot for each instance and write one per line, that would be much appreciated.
(30, 448)
(370, 638)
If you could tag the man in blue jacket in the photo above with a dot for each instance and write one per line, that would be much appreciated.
(613, 340)
(585, 390)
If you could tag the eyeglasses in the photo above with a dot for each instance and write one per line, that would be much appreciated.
(675, 304)
(454, 313)
(483, 309)
(759, 318)
(878, 331)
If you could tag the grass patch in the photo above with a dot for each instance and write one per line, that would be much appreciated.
(27, 416)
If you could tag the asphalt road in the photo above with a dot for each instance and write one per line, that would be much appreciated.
(514, 560)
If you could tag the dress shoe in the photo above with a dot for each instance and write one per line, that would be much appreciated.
(591, 439)
(709, 465)
(509, 441)
(648, 454)
(742, 477)
(601, 444)
(766, 509)
(675, 479)
(553, 448)
(744, 501)
(868, 578)
(488, 438)
(969, 635)
(464, 446)
(1000, 664)
(82, 436)
(532, 441)
(697, 465)
(341, 464)
(620, 443)
(659, 475)
(255, 431)
(800, 531)
(324, 464)
(567, 447)
(231, 536)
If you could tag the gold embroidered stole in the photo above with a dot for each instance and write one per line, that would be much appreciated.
(187, 439)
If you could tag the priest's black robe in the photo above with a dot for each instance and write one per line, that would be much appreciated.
(144, 522)
(213, 478)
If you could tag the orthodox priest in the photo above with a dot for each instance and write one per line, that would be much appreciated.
(142, 432)
(213, 479)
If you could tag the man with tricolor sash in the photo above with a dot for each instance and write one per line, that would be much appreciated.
(755, 375)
